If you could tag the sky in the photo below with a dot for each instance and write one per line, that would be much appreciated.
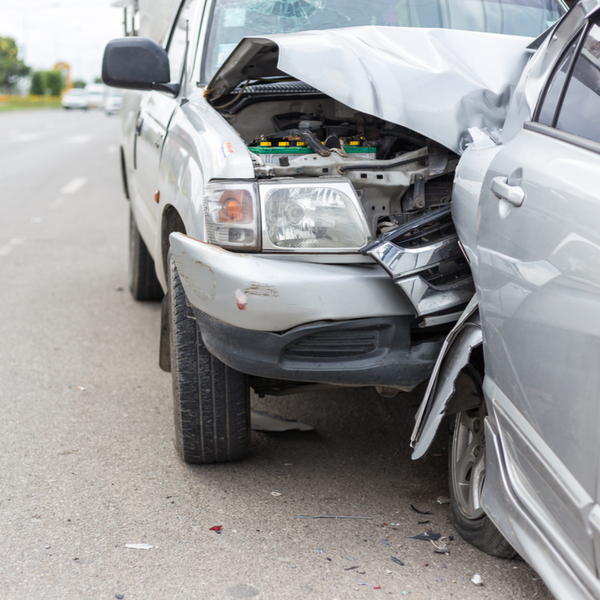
(72, 31)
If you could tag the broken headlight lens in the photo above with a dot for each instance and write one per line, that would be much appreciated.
(312, 216)
(232, 215)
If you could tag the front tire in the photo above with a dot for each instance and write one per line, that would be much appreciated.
(143, 283)
(467, 468)
(211, 400)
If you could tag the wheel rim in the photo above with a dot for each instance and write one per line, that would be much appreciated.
(468, 462)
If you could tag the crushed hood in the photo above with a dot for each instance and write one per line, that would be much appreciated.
(437, 82)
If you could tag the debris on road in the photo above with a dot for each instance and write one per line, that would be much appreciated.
(376, 587)
(397, 561)
(139, 546)
(421, 512)
(119, 596)
(441, 547)
(428, 536)
(423, 522)
(351, 568)
(276, 494)
(262, 421)
(477, 579)
(216, 528)
(443, 500)
(80, 387)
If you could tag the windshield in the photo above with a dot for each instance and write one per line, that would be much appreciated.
(231, 20)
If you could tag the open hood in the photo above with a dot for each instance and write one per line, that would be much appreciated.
(437, 82)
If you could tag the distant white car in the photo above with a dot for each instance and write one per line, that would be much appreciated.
(96, 93)
(113, 101)
(75, 98)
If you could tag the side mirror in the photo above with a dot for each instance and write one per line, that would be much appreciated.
(137, 64)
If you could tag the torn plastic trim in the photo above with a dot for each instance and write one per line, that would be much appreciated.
(411, 252)
(453, 358)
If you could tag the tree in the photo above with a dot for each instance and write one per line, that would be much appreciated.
(11, 66)
(37, 84)
(47, 83)
(79, 83)
(54, 83)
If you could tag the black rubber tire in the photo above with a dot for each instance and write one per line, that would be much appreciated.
(475, 527)
(143, 283)
(211, 400)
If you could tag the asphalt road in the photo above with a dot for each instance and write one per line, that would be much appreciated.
(86, 453)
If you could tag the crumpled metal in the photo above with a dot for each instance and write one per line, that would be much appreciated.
(437, 82)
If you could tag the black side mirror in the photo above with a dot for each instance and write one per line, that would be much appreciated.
(137, 64)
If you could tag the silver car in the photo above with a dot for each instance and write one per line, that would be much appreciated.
(260, 172)
(524, 452)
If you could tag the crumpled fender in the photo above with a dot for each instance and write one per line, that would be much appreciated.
(454, 356)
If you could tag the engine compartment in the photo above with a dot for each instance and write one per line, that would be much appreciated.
(294, 131)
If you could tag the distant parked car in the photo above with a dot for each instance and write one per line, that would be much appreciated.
(96, 93)
(525, 450)
(75, 98)
(113, 101)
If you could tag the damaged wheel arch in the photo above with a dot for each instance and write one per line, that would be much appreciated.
(440, 397)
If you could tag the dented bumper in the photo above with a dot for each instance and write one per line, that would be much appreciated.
(268, 294)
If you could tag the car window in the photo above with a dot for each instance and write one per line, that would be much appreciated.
(580, 110)
(176, 48)
(231, 20)
(552, 96)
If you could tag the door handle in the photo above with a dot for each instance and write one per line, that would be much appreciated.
(514, 194)
(138, 126)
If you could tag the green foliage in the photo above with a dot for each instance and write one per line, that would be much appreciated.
(37, 84)
(79, 84)
(54, 83)
(11, 66)
(47, 83)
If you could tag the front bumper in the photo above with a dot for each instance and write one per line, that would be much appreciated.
(298, 321)
(252, 292)
(364, 352)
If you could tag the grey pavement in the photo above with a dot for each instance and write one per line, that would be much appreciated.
(86, 453)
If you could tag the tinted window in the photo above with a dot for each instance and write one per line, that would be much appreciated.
(548, 109)
(580, 111)
(231, 20)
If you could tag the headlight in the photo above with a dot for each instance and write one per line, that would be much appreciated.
(232, 215)
(309, 215)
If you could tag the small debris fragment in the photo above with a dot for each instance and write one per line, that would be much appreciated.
(426, 536)
(440, 546)
(386, 543)
(276, 494)
(385, 525)
(47, 547)
(397, 561)
(139, 546)
(80, 387)
(423, 522)
(376, 587)
(477, 579)
(388, 571)
(119, 596)
(351, 568)
(319, 551)
(363, 583)
(443, 500)
(421, 512)
(216, 528)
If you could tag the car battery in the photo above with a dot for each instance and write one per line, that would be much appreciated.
(274, 152)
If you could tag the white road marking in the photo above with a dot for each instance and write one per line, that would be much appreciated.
(8, 248)
(57, 202)
(74, 185)
(112, 149)
(78, 139)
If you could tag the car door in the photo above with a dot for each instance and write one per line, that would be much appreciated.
(156, 109)
(538, 282)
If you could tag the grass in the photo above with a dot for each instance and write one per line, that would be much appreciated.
(8, 103)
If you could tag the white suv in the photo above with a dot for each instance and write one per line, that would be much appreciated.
(276, 183)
